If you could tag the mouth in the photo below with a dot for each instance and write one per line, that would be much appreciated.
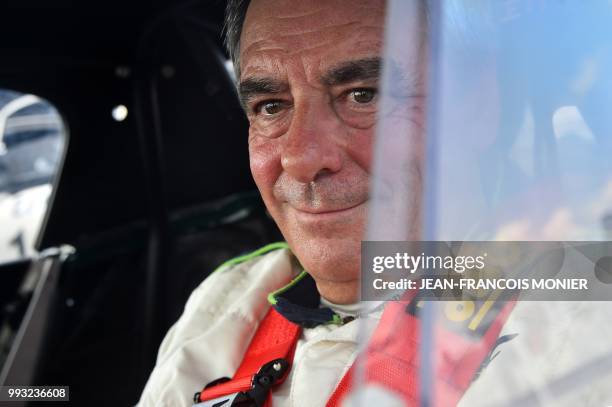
(324, 214)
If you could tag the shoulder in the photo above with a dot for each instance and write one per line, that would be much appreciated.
(239, 287)
(218, 321)
(241, 283)
(555, 339)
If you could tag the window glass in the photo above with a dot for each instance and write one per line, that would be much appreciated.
(32, 137)
(515, 152)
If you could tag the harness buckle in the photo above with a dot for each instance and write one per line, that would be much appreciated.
(261, 383)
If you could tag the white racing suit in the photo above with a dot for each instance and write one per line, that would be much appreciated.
(208, 342)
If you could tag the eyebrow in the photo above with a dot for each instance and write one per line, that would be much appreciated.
(353, 71)
(256, 86)
(341, 74)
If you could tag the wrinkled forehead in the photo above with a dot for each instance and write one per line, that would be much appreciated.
(277, 33)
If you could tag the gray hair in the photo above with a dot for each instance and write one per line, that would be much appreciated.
(461, 18)
(235, 13)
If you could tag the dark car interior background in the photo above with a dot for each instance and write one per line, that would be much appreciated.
(142, 209)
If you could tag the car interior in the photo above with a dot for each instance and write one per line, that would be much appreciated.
(144, 206)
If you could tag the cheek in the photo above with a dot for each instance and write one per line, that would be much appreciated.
(265, 166)
(359, 147)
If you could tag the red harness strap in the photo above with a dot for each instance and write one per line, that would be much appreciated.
(274, 341)
(391, 359)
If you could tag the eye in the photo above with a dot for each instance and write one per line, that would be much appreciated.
(269, 108)
(362, 96)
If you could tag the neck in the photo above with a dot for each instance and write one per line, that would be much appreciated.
(345, 292)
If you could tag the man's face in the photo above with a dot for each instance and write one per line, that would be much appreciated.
(309, 73)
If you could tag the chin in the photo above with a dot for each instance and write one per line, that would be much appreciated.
(331, 260)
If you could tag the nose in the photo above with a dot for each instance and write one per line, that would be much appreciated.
(312, 144)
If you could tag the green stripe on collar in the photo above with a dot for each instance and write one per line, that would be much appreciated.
(245, 257)
(272, 296)
(300, 302)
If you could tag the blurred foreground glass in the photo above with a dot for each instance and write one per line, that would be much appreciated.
(518, 146)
